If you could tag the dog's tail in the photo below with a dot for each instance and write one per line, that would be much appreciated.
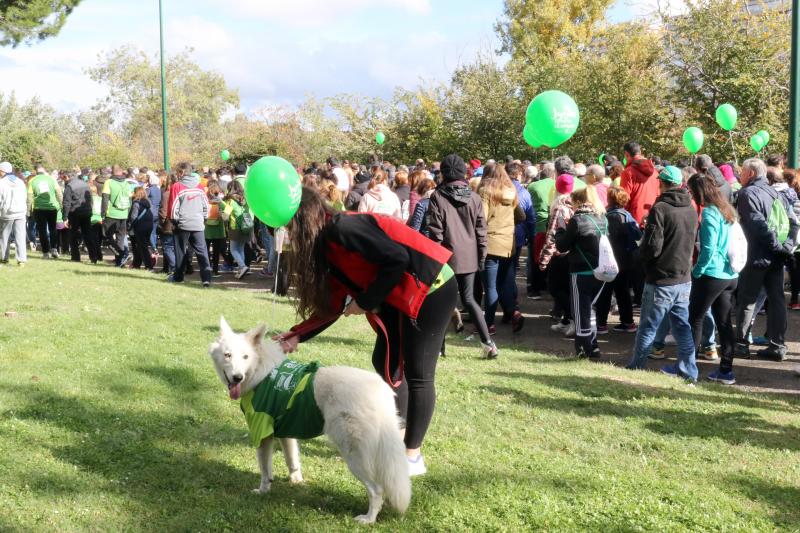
(392, 464)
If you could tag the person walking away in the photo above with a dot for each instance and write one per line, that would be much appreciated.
(233, 213)
(554, 262)
(45, 197)
(598, 190)
(215, 228)
(141, 224)
(714, 280)
(77, 211)
(419, 219)
(580, 240)
(540, 191)
(96, 230)
(455, 219)
(360, 184)
(166, 227)
(343, 180)
(403, 192)
(624, 234)
(666, 251)
(379, 198)
(189, 213)
(154, 197)
(770, 227)
(703, 164)
(114, 210)
(524, 234)
(13, 210)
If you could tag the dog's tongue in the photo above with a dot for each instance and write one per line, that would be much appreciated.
(235, 391)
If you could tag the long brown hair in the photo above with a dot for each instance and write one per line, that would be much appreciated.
(705, 192)
(493, 185)
(309, 266)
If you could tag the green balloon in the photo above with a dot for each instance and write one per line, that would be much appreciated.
(556, 116)
(380, 138)
(757, 142)
(602, 159)
(693, 139)
(764, 134)
(273, 190)
(727, 117)
(224, 155)
(529, 134)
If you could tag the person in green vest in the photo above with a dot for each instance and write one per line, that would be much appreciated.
(96, 233)
(114, 210)
(44, 197)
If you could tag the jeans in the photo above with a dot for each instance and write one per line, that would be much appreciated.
(15, 228)
(237, 250)
(751, 280)
(707, 337)
(498, 269)
(658, 303)
(168, 244)
(46, 227)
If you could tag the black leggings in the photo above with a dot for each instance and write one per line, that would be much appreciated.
(622, 289)
(718, 295)
(420, 345)
(559, 284)
(466, 290)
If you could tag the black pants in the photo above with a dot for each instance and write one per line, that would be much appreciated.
(585, 291)
(558, 284)
(419, 346)
(46, 228)
(466, 290)
(621, 288)
(794, 277)
(80, 229)
(187, 243)
(142, 255)
(751, 281)
(718, 295)
(637, 276)
(115, 230)
(96, 238)
(216, 248)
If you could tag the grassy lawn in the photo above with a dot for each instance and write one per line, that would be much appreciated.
(112, 419)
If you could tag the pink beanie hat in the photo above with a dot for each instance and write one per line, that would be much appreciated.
(727, 172)
(565, 183)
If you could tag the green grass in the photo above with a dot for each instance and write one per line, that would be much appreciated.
(112, 419)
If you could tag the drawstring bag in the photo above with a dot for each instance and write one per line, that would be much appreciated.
(737, 247)
(607, 268)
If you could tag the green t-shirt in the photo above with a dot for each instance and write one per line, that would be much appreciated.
(284, 404)
(119, 199)
(97, 203)
(540, 194)
(43, 188)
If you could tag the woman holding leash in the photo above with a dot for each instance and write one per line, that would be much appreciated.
(355, 264)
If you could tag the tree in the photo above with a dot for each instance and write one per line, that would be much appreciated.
(31, 20)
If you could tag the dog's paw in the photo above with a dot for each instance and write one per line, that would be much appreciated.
(364, 519)
(295, 478)
(261, 490)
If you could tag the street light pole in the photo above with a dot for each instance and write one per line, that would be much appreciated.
(164, 90)
(794, 96)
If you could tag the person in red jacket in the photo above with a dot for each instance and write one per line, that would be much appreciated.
(640, 181)
(363, 263)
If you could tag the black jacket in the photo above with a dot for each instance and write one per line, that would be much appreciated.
(354, 196)
(140, 218)
(77, 198)
(623, 233)
(581, 239)
(455, 219)
(669, 238)
(754, 205)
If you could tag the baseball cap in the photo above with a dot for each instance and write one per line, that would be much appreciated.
(6, 167)
(672, 175)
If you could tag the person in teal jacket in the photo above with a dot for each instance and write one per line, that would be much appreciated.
(713, 278)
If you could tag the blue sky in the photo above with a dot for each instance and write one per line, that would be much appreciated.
(274, 51)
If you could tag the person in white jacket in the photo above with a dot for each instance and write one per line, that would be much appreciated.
(13, 210)
(379, 198)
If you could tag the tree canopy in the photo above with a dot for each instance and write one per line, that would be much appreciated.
(32, 20)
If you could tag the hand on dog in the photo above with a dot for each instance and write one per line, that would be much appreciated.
(353, 309)
(288, 345)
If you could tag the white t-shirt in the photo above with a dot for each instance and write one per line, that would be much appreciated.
(342, 179)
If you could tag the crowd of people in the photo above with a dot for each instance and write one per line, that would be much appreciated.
(675, 230)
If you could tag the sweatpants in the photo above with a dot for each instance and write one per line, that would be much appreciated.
(46, 228)
(418, 344)
(186, 243)
(466, 290)
(585, 289)
(15, 228)
(717, 294)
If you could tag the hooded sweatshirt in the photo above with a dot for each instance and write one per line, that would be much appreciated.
(455, 219)
(359, 189)
(669, 239)
(13, 198)
(640, 181)
(190, 206)
(381, 200)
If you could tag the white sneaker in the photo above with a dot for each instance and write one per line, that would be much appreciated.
(54, 255)
(559, 328)
(416, 467)
(241, 272)
(490, 350)
(669, 340)
(570, 329)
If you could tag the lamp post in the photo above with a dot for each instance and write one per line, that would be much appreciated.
(794, 88)
(164, 127)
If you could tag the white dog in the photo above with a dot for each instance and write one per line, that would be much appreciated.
(357, 408)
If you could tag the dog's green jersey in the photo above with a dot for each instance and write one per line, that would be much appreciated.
(284, 404)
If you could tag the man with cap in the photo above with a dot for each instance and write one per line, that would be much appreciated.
(666, 251)
(13, 208)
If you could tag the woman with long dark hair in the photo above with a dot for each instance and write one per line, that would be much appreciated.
(356, 264)
(713, 278)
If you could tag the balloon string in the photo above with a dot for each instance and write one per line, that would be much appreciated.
(733, 148)
(275, 287)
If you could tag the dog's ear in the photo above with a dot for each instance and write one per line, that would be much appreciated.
(224, 328)
(256, 335)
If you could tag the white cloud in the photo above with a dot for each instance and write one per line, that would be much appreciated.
(299, 13)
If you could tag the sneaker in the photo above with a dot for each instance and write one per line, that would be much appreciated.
(602, 330)
(33, 246)
(54, 254)
(535, 295)
(127, 258)
(206, 284)
(669, 340)
(216, 274)
(709, 353)
(774, 352)
(559, 328)
(171, 279)
(416, 467)
(556, 317)
(490, 350)
(671, 370)
(517, 321)
(492, 330)
(225, 269)
(241, 272)
(46, 255)
(657, 353)
(264, 273)
(742, 350)
(794, 306)
(718, 376)
(570, 329)
(625, 328)
(595, 354)
(761, 341)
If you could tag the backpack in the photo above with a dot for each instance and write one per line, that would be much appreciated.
(122, 200)
(737, 247)
(607, 267)
(778, 220)
(244, 222)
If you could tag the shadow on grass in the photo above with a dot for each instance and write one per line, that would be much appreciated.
(192, 281)
(602, 397)
(159, 463)
(782, 499)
